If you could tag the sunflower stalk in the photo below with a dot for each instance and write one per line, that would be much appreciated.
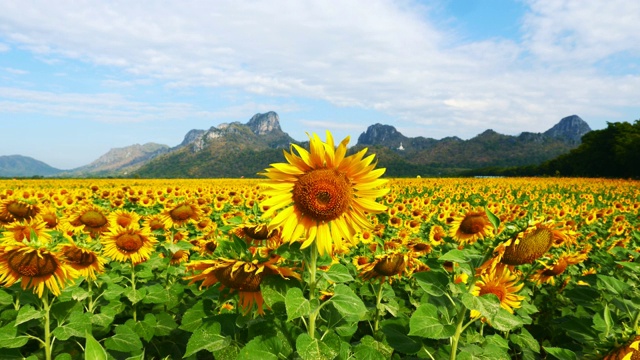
(376, 321)
(46, 306)
(133, 285)
(312, 267)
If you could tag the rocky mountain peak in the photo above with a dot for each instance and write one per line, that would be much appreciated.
(381, 134)
(262, 124)
(570, 128)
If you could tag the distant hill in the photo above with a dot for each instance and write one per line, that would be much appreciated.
(24, 166)
(405, 156)
(230, 150)
(119, 161)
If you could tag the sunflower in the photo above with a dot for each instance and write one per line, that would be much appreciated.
(437, 235)
(90, 218)
(155, 222)
(83, 259)
(123, 218)
(322, 195)
(123, 244)
(35, 267)
(629, 351)
(12, 209)
(384, 266)
(22, 230)
(502, 283)
(241, 276)
(531, 244)
(470, 227)
(181, 213)
(548, 273)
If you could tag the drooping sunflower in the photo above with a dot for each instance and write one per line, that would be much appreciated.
(90, 218)
(531, 244)
(470, 227)
(22, 230)
(502, 283)
(83, 259)
(241, 276)
(130, 243)
(628, 351)
(12, 209)
(34, 267)
(548, 273)
(322, 195)
(181, 213)
(384, 266)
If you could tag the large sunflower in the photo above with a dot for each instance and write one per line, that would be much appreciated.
(34, 267)
(180, 214)
(90, 218)
(502, 283)
(22, 230)
(323, 195)
(470, 227)
(130, 243)
(82, 258)
(241, 276)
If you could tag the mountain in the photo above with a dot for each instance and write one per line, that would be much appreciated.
(448, 156)
(24, 166)
(120, 161)
(229, 150)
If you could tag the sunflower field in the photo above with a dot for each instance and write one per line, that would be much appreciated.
(324, 258)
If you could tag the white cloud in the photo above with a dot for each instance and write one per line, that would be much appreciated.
(4, 47)
(15, 71)
(379, 54)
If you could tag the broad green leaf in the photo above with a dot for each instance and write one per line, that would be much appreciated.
(432, 282)
(525, 340)
(505, 321)
(425, 322)
(79, 294)
(5, 298)
(257, 349)
(337, 273)
(192, 318)
(156, 294)
(560, 353)
(633, 266)
(488, 305)
(207, 337)
(348, 303)
(456, 256)
(613, 285)
(165, 324)
(63, 356)
(92, 349)
(113, 291)
(27, 313)
(296, 305)
(397, 336)
(135, 296)
(274, 289)
(495, 221)
(9, 337)
(79, 323)
(125, 340)
(312, 349)
(102, 319)
(146, 328)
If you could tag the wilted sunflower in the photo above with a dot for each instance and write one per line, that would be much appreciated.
(180, 214)
(384, 266)
(83, 259)
(90, 218)
(21, 230)
(259, 234)
(35, 267)
(469, 228)
(629, 351)
(531, 244)
(502, 283)
(241, 276)
(323, 195)
(123, 244)
(12, 209)
(549, 272)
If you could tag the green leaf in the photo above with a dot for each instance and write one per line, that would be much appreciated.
(505, 321)
(79, 294)
(495, 221)
(560, 353)
(156, 294)
(257, 349)
(92, 349)
(135, 296)
(488, 304)
(102, 319)
(146, 328)
(5, 298)
(398, 338)
(27, 313)
(425, 322)
(337, 273)
(79, 324)
(125, 340)
(296, 305)
(9, 338)
(192, 318)
(312, 349)
(433, 283)
(113, 292)
(207, 337)
(63, 356)
(633, 266)
(456, 256)
(164, 324)
(380, 349)
(525, 340)
(348, 303)
(613, 285)
(274, 289)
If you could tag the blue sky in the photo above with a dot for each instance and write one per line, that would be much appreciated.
(77, 79)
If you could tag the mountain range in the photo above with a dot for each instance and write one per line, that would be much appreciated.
(233, 150)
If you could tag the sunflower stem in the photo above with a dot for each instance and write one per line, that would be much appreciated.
(46, 306)
(311, 265)
(376, 321)
(459, 328)
(133, 284)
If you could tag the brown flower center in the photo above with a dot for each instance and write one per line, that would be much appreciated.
(129, 243)
(241, 280)
(498, 291)
(557, 269)
(473, 224)
(181, 212)
(79, 257)
(390, 265)
(32, 264)
(156, 224)
(93, 219)
(531, 247)
(20, 210)
(323, 194)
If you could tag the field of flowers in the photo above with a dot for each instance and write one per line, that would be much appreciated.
(391, 269)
